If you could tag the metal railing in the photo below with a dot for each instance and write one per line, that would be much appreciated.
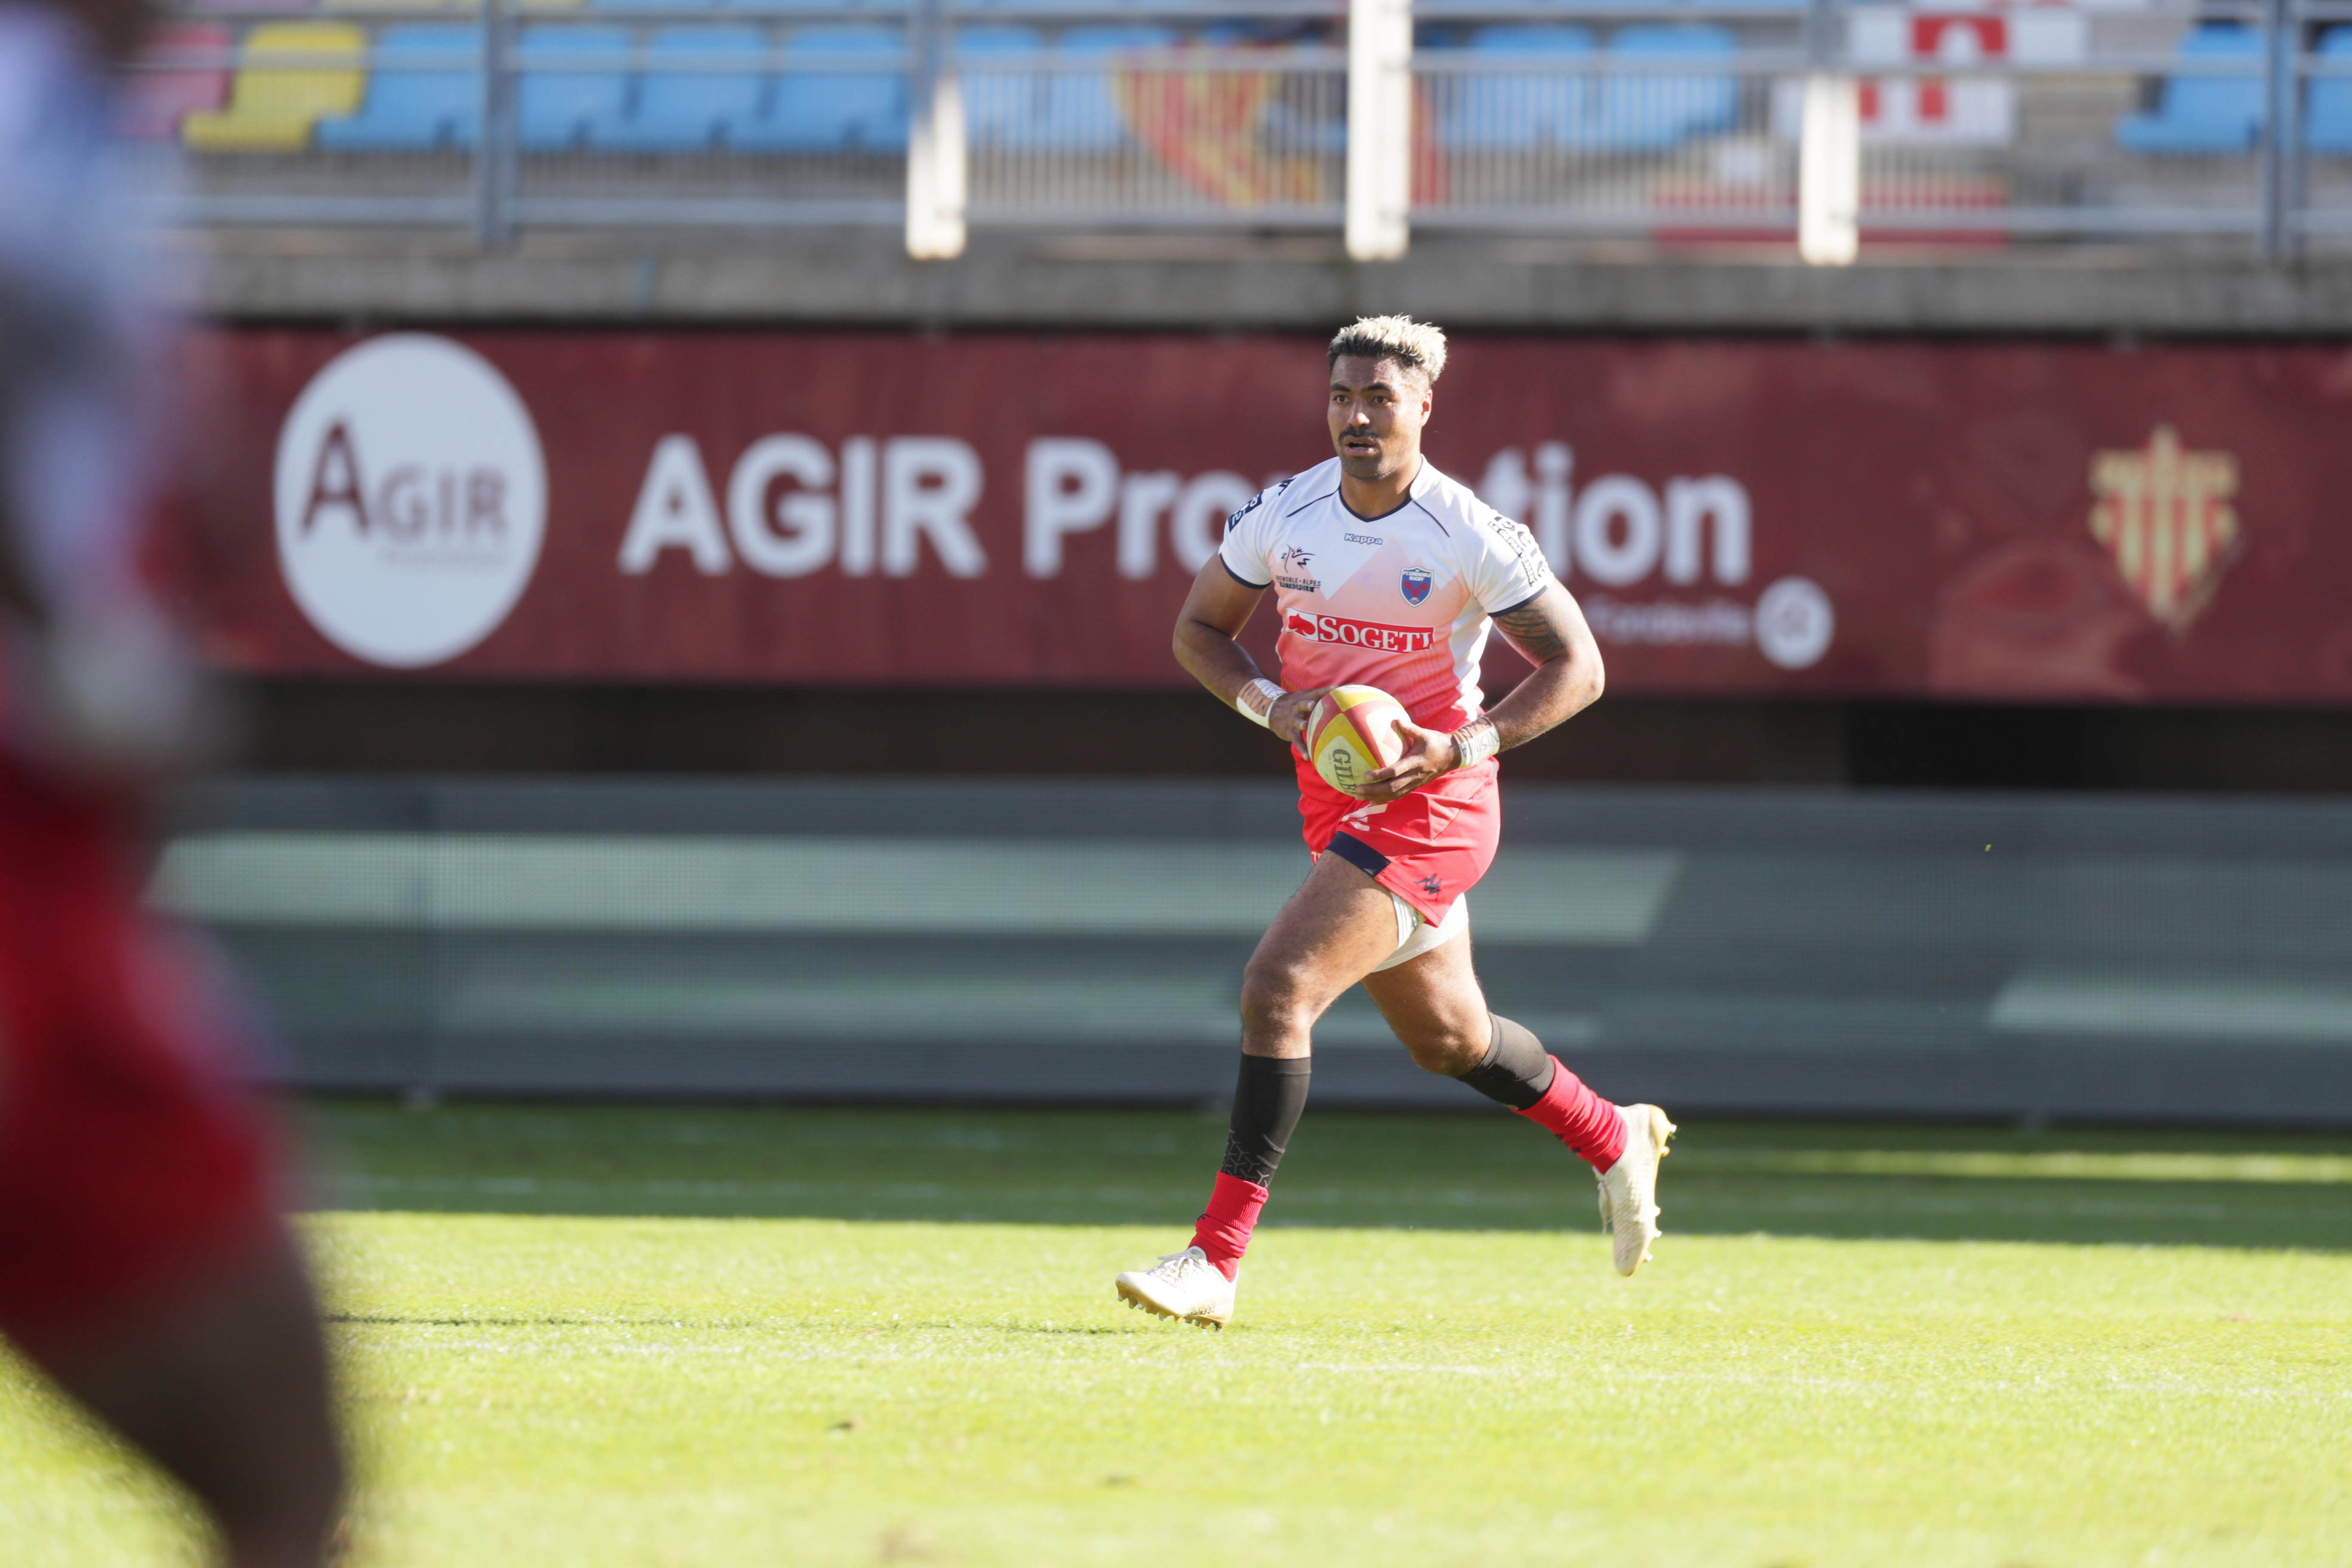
(1676, 123)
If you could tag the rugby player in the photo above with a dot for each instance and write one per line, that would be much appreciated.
(143, 1261)
(1387, 573)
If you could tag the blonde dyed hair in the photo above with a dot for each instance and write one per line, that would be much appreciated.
(1417, 345)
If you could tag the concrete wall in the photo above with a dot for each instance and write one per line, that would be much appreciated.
(1978, 955)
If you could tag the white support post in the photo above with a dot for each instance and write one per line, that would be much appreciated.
(1829, 172)
(1379, 127)
(935, 145)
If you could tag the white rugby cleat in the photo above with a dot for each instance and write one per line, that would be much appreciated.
(1629, 1189)
(1183, 1285)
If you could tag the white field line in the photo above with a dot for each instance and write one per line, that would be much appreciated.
(1518, 1373)
(1546, 1206)
(2322, 1170)
(586, 1186)
(1841, 1384)
(2056, 1165)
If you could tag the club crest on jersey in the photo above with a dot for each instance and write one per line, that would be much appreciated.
(1416, 584)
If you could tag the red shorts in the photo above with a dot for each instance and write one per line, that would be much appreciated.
(1426, 849)
(133, 1157)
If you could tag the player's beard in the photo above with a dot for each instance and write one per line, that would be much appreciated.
(1380, 464)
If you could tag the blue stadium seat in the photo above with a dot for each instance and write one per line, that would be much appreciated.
(1082, 115)
(2204, 114)
(1652, 111)
(824, 112)
(1002, 106)
(411, 106)
(557, 108)
(1519, 110)
(686, 110)
(2328, 110)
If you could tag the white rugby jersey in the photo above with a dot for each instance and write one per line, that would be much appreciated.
(1401, 602)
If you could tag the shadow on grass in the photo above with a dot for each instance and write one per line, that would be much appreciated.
(1466, 1172)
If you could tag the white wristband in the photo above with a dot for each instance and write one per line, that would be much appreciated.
(1477, 741)
(1263, 691)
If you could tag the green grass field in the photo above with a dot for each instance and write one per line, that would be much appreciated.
(613, 1336)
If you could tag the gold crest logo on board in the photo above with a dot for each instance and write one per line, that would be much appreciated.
(2164, 513)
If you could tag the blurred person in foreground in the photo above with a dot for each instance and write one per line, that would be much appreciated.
(143, 1262)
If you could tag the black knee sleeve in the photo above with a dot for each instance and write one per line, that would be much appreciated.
(1516, 1070)
(1266, 1103)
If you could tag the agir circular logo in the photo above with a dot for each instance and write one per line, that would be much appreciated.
(410, 500)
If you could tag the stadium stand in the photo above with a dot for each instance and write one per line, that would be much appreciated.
(2203, 113)
(1520, 110)
(822, 111)
(1076, 6)
(2328, 111)
(1579, 117)
(287, 81)
(1649, 111)
(161, 97)
(560, 97)
(1636, 110)
(1081, 115)
(684, 109)
(1002, 106)
(418, 109)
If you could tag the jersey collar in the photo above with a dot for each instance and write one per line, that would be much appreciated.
(1424, 479)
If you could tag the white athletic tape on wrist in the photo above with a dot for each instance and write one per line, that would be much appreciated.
(1478, 740)
(1259, 689)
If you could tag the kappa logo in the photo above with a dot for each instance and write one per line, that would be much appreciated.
(1432, 884)
(1415, 583)
(2164, 513)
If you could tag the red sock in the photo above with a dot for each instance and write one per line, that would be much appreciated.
(1579, 1118)
(1223, 1232)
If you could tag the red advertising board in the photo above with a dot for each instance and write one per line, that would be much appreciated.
(1754, 517)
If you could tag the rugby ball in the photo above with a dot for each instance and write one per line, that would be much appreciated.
(1351, 734)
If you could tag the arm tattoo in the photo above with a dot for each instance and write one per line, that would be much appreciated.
(1532, 632)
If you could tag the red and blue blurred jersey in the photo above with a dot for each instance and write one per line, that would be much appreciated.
(81, 345)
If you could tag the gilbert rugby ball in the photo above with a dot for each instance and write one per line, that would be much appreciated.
(1351, 734)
